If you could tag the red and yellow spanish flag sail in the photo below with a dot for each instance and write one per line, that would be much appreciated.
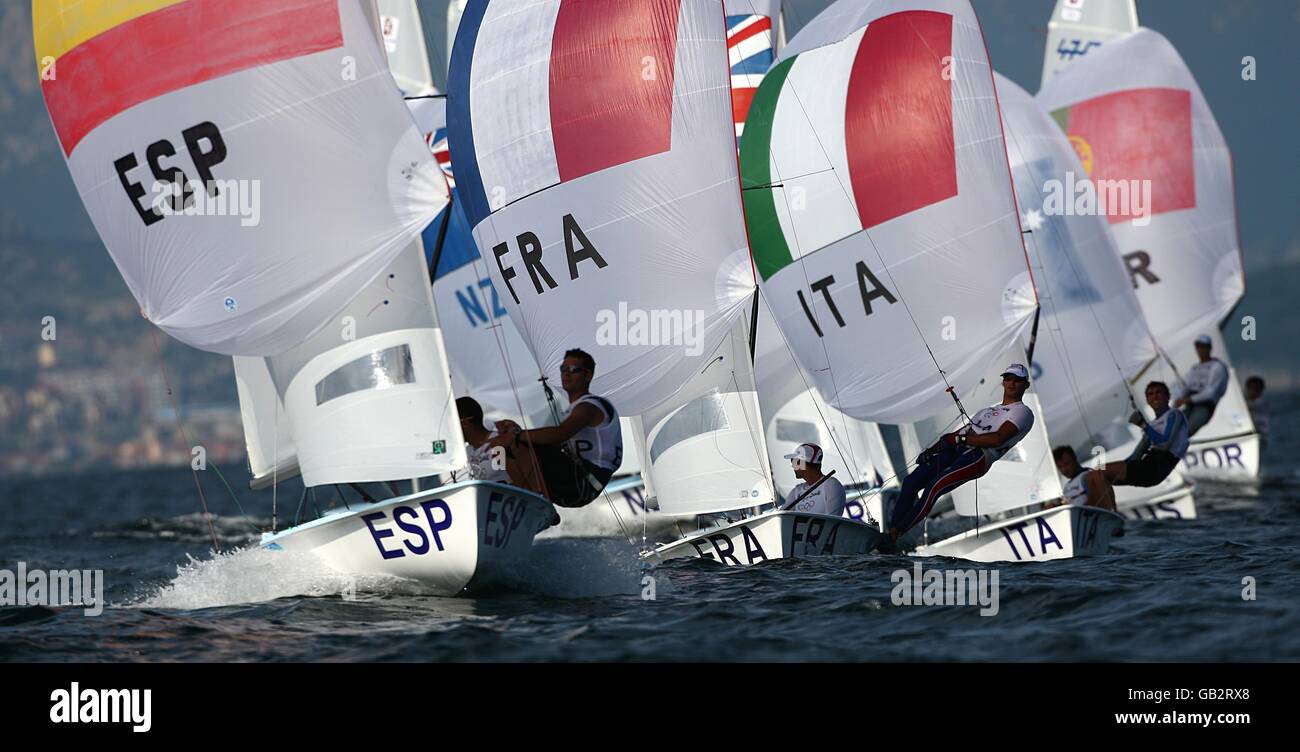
(249, 164)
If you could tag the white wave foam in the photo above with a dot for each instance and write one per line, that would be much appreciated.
(254, 575)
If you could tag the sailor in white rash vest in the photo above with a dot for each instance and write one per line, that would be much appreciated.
(1206, 384)
(576, 458)
(827, 498)
(963, 455)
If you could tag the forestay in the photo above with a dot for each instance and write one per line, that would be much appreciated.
(880, 207)
(595, 159)
(248, 165)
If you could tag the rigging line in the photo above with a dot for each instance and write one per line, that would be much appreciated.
(498, 337)
(898, 291)
(203, 501)
(817, 402)
(757, 436)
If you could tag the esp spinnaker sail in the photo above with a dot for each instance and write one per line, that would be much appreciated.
(595, 159)
(299, 176)
(880, 207)
(1081, 26)
(1092, 337)
(1161, 173)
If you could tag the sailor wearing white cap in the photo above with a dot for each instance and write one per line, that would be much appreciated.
(828, 498)
(965, 454)
(1205, 385)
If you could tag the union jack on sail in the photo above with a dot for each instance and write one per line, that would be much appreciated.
(749, 49)
(438, 145)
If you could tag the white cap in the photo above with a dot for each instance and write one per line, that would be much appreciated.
(1204, 339)
(808, 453)
(1017, 370)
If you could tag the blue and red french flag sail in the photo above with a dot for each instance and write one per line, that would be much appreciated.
(596, 163)
(592, 87)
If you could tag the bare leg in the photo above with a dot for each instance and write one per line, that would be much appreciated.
(525, 469)
(1116, 472)
(1100, 491)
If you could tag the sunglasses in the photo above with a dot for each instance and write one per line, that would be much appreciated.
(572, 370)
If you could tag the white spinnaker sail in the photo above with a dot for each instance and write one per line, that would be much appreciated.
(1140, 123)
(1081, 26)
(880, 207)
(703, 451)
(1092, 336)
(616, 229)
(271, 451)
(403, 38)
(311, 176)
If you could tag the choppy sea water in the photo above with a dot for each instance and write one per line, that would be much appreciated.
(1169, 590)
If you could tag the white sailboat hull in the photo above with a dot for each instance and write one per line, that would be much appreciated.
(777, 535)
(450, 539)
(1171, 500)
(1233, 458)
(620, 511)
(1058, 533)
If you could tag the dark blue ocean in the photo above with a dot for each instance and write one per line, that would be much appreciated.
(1169, 590)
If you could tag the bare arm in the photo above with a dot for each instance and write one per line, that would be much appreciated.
(990, 440)
(583, 415)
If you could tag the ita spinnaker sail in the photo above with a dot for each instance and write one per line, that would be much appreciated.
(248, 164)
(1161, 173)
(1080, 26)
(595, 160)
(880, 207)
(1092, 337)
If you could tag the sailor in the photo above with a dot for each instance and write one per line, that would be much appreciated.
(486, 462)
(1085, 487)
(827, 498)
(576, 458)
(1206, 384)
(1257, 406)
(963, 455)
(1164, 442)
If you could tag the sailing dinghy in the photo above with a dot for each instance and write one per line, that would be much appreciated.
(619, 229)
(881, 213)
(317, 283)
(1093, 347)
(1138, 119)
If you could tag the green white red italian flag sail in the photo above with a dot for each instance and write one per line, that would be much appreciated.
(880, 209)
